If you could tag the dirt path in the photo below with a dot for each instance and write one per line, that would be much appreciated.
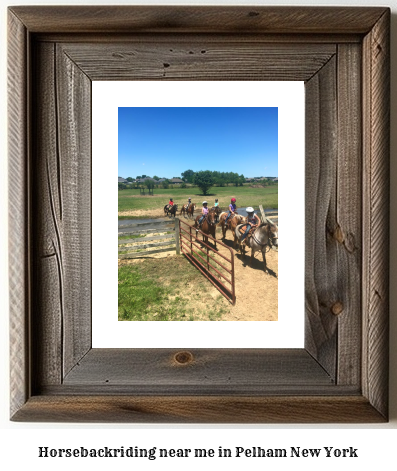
(256, 291)
(148, 213)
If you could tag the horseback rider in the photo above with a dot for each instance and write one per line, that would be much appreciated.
(252, 222)
(204, 212)
(232, 209)
(189, 202)
(168, 206)
(217, 210)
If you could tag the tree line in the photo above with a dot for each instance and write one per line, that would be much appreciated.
(217, 178)
(204, 179)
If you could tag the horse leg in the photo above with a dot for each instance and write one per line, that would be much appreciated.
(264, 260)
(252, 257)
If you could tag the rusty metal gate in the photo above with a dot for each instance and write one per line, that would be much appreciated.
(208, 264)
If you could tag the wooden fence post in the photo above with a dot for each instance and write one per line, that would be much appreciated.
(177, 237)
(264, 218)
(262, 213)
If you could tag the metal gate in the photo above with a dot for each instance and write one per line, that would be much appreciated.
(217, 272)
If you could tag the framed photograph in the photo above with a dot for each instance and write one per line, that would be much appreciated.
(195, 125)
(340, 375)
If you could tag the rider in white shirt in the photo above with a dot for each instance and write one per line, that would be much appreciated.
(252, 221)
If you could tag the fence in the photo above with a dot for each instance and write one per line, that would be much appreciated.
(209, 266)
(271, 216)
(165, 234)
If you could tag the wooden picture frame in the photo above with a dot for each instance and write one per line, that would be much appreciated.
(342, 54)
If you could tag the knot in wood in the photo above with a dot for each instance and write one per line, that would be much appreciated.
(338, 235)
(183, 358)
(337, 308)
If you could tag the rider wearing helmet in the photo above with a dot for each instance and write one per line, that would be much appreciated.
(252, 221)
(204, 212)
(189, 202)
(170, 204)
(232, 209)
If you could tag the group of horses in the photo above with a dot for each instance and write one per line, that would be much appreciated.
(264, 237)
(185, 210)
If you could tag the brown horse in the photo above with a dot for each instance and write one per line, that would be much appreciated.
(231, 224)
(208, 226)
(189, 211)
(263, 238)
(217, 211)
(171, 211)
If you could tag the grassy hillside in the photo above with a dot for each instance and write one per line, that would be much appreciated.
(245, 195)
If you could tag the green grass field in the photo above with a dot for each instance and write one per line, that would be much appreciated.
(166, 290)
(245, 195)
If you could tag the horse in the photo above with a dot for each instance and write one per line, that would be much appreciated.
(218, 211)
(208, 226)
(171, 211)
(231, 224)
(189, 211)
(265, 235)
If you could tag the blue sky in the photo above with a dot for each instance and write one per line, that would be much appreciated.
(167, 141)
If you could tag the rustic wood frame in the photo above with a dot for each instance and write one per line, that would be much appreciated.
(343, 56)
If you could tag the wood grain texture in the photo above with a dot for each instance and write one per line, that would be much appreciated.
(198, 19)
(376, 93)
(338, 378)
(321, 276)
(198, 409)
(19, 240)
(204, 60)
(62, 207)
(47, 322)
(73, 89)
(154, 368)
(346, 228)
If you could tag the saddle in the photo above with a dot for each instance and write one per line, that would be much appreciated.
(243, 228)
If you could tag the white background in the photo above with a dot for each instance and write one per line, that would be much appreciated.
(19, 442)
(288, 331)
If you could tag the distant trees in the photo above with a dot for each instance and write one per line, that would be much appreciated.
(130, 179)
(218, 178)
(204, 180)
(188, 176)
(149, 184)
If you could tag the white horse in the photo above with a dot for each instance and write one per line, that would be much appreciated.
(265, 235)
